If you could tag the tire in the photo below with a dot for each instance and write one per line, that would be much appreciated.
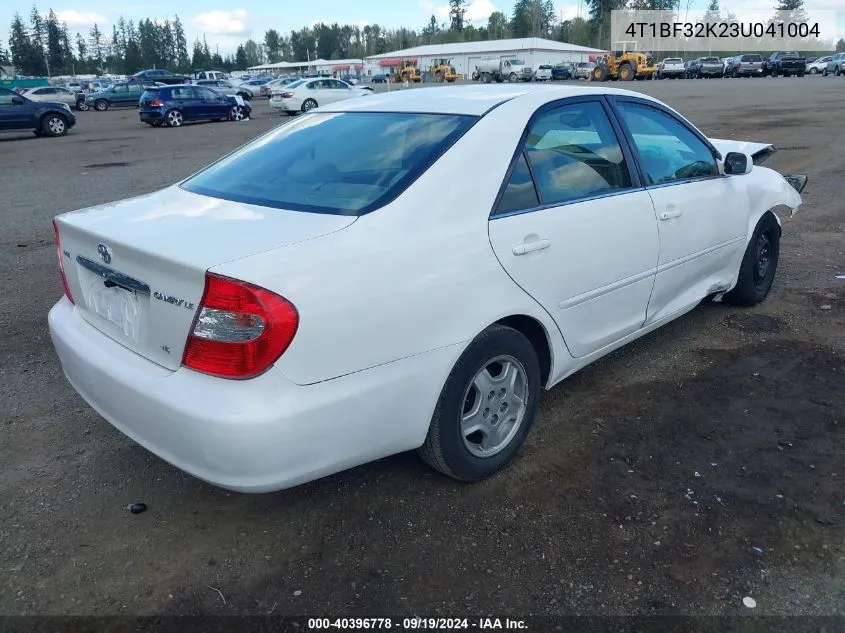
(824, 73)
(814, 71)
(54, 124)
(774, 72)
(82, 105)
(599, 73)
(836, 71)
(237, 113)
(309, 104)
(466, 458)
(626, 73)
(759, 264)
(512, 78)
(101, 105)
(157, 123)
(800, 73)
(244, 95)
(485, 78)
(174, 118)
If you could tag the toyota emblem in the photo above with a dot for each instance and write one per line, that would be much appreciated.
(105, 253)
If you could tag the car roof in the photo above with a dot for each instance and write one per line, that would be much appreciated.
(469, 100)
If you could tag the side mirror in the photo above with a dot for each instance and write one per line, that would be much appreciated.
(18, 101)
(738, 164)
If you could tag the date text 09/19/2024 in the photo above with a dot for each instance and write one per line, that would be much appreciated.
(417, 624)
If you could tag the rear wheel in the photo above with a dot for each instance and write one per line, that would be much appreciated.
(82, 105)
(486, 407)
(309, 104)
(599, 73)
(485, 78)
(54, 125)
(174, 118)
(814, 71)
(836, 71)
(759, 264)
(626, 73)
(101, 105)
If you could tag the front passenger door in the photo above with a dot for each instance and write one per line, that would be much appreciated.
(702, 215)
(574, 229)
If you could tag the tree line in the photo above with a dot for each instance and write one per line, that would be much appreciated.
(42, 46)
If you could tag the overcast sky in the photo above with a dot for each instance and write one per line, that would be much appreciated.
(225, 24)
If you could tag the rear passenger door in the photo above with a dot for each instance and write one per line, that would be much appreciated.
(574, 228)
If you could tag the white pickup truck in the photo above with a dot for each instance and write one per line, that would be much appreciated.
(671, 67)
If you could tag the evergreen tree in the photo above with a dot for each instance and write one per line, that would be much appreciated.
(23, 55)
(97, 47)
(182, 61)
(37, 38)
(457, 11)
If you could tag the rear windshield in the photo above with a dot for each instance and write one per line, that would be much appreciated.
(673, 60)
(347, 163)
(752, 58)
(150, 93)
(711, 59)
(545, 67)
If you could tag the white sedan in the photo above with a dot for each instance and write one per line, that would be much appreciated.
(318, 299)
(53, 94)
(307, 94)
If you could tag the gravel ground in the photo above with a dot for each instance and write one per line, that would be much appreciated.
(698, 466)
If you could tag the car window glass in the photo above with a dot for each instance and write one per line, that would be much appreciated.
(123, 88)
(182, 93)
(6, 97)
(316, 163)
(135, 88)
(573, 152)
(668, 150)
(520, 192)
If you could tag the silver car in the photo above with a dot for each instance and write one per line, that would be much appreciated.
(836, 65)
(53, 94)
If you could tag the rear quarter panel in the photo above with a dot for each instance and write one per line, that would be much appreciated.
(416, 275)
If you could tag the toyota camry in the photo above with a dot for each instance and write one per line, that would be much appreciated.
(319, 298)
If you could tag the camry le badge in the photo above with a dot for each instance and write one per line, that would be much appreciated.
(105, 253)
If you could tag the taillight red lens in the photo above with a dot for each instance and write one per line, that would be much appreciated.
(287, 95)
(61, 261)
(155, 103)
(240, 329)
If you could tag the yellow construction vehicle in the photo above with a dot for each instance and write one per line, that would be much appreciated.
(442, 70)
(407, 71)
(624, 63)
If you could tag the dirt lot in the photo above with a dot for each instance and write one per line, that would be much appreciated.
(647, 483)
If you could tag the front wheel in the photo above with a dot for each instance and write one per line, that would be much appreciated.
(54, 125)
(757, 270)
(174, 118)
(814, 71)
(512, 78)
(486, 407)
(101, 105)
(237, 113)
(82, 105)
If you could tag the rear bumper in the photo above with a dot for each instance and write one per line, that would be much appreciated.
(151, 115)
(253, 435)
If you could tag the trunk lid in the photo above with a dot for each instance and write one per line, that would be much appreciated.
(136, 268)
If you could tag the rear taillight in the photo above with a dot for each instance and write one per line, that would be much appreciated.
(155, 103)
(61, 261)
(287, 95)
(240, 329)
(739, 65)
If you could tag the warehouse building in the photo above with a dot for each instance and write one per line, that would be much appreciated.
(465, 56)
(316, 66)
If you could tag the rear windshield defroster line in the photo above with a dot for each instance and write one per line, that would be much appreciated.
(346, 163)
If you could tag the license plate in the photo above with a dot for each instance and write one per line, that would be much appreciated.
(118, 306)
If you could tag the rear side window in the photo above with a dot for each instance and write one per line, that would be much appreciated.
(347, 163)
(520, 193)
(574, 153)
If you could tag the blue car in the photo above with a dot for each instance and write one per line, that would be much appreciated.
(174, 105)
(379, 79)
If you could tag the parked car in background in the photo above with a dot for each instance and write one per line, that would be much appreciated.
(706, 67)
(175, 105)
(352, 79)
(543, 73)
(747, 65)
(118, 95)
(44, 118)
(307, 94)
(253, 86)
(74, 86)
(211, 321)
(786, 63)
(159, 75)
(835, 65)
(267, 88)
(817, 66)
(54, 94)
(670, 68)
(583, 70)
(561, 72)
(379, 79)
(226, 86)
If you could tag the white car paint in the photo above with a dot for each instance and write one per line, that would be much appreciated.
(388, 301)
(320, 91)
(818, 66)
(52, 94)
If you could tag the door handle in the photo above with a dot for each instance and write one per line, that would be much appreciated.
(530, 247)
(670, 213)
